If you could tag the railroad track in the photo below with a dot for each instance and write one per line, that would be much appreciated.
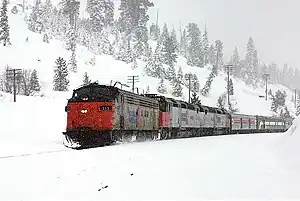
(33, 154)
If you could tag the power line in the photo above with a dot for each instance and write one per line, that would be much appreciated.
(12, 74)
(132, 80)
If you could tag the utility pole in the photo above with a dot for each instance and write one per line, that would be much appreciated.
(228, 68)
(295, 98)
(13, 74)
(132, 80)
(266, 75)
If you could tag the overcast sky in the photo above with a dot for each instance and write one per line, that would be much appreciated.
(273, 24)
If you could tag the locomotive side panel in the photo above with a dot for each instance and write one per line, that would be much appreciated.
(175, 114)
(221, 120)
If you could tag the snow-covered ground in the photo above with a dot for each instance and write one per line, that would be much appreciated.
(224, 168)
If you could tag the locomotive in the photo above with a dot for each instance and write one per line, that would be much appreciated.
(99, 115)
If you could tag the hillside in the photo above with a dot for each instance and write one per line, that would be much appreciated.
(35, 54)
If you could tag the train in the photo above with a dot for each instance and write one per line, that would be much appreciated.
(102, 115)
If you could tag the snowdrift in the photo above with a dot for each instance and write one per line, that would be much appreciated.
(288, 148)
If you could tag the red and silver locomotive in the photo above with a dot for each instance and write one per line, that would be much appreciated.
(99, 115)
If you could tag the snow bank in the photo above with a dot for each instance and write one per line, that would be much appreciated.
(288, 148)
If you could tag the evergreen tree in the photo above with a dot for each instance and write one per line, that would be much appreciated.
(280, 98)
(162, 87)
(46, 14)
(70, 8)
(183, 46)
(133, 14)
(170, 74)
(205, 46)
(274, 105)
(86, 79)
(221, 101)
(154, 32)
(101, 13)
(231, 92)
(34, 85)
(71, 40)
(177, 88)
(251, 63)
(140, 41)
(235, 61)
(45, 38)
(124, 52)
(163, 37)
(298, 105)
(60, 79)
(195, 99)
(4, 27)
(219, 53)
(212, 56)
(35, 20)
(194, 56)
(174, 39)
(205, 90)
(154, 67)
(196, 84)
(73, 62)
(169, 51)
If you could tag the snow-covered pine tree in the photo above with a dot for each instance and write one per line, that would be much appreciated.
(177, 88)
(195, 98)
(134, 64)
(73, 63)
(140, 41)
(4, 26)
(251, 63)
(71, 39)
(298, 104)
(154, 32)
(221, 101)
(174, 38)
(212, 56)
(205, 47)
(205, 90)
(196, 84)
(235, 61)
(219, 54)
(231, 91)
(124, 52)
(46, 14)
(169, 56)
(100, 14)
(45, 38)
(60, 79)
(70, 8)
(133, 14)
(280, 98)
(274, 105)
(183, 46)
(86, 79)
(35, 21)
(34, 84)
(162, 87)
(194, 54)
(154, 67)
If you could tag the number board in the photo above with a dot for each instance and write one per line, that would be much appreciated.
(105, 108)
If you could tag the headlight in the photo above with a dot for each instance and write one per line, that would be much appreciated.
(84, 111)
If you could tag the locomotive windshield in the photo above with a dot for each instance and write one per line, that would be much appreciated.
(94, 93)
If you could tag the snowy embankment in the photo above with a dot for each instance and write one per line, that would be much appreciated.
(224, 168)
(31, 125)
